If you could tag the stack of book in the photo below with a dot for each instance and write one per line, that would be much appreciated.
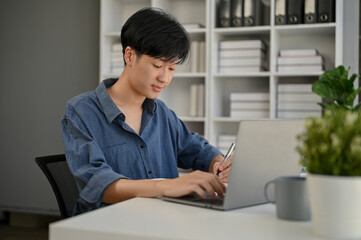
(116, 59)
(237, 56)
(300, 60)
(297, 101)
(249, 105)
(224, 142)
(196, 63)
(196, 100)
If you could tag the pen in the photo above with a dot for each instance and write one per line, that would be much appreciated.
(228, 154)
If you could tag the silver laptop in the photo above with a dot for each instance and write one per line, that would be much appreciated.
(265, 149)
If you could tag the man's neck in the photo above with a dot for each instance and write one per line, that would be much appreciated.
(123, 95)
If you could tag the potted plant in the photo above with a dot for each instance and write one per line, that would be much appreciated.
(330, 149)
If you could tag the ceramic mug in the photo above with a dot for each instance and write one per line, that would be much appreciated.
(291, 198)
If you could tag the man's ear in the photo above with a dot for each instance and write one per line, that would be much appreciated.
(129, 56)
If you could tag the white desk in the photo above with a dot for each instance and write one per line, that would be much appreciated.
(143, 218)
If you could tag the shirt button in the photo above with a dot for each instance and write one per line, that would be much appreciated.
(141, 146)
(150, 171)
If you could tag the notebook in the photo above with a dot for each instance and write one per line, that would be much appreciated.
(265, 150)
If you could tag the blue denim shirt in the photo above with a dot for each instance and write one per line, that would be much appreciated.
(101, 148)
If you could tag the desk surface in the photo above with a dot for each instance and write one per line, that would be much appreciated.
(144, 218)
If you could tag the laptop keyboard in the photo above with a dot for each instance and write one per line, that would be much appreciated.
(197, 198)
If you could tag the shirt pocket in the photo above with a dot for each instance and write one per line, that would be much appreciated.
(116, 157)
(122, 160)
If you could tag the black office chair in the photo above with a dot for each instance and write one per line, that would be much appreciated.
(61, 180)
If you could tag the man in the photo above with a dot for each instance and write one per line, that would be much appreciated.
(120, 136)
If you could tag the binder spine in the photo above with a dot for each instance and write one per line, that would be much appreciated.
(252, 12)
(326, 11)
(224, 19)
(280, 12)
(237, 13)
(311, 11)
(295, 11)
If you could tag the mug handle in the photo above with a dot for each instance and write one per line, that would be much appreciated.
(265, 192)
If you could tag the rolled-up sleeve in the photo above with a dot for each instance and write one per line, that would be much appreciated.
(194, 151)
(86, 161)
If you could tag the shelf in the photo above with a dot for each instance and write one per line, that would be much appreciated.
(189, 75)
(112, 34)
(301, 29)
(297, 74)
(232, 31)
(249, 74)
(193, 119)
(234, 120)
(330, 39)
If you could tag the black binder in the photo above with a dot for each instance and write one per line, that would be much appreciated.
(236, 13)
(311, 10)
(326, 11)
(295, 11)
(224, 19)
(281, 12)
(252, 10)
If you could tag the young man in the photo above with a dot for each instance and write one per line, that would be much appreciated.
(120, 136)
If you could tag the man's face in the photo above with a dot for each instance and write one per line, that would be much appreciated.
(150, 76)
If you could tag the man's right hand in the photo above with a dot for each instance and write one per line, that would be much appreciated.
(196, 182)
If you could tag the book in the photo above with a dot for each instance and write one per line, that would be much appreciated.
(294, 88)
(249, 96)
(117, 64)
(241, 53)
(197, 93)
(249, 61)
(227, 138)
(298, 114)
(117, 59)
(193, 100)
(224, 13)
(224, 144)
(117, 47)
(240, 44)
(310, 12)
(298, 106)
(298, 97)
(252, 12)
(191, 26)
(295, 11)
(298, 52)
(116, 54)
(249, 105)
(300, 68)
(237, 13)
(249, 114)
(241, 69)
(117, 70)
(201, 57)
(281, 12)
(193, 58)
(301, 60)
(200, 102)
(184, 67)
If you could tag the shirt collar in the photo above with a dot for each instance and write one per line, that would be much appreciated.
(110, 110)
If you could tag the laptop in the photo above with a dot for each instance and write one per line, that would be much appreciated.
(265, 150)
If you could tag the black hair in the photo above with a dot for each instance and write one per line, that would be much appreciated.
(153, 32)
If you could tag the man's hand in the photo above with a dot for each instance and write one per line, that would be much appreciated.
(224, 168)
(195, 182)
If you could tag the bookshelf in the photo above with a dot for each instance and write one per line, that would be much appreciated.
(337, 43)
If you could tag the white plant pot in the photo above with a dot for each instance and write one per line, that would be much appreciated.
(335, 206)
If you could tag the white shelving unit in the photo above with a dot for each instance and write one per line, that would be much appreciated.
(336, 41)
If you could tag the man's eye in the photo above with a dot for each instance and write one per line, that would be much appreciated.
(172, 69)
(156, 66)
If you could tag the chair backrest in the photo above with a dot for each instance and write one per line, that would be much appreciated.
(61, 180)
